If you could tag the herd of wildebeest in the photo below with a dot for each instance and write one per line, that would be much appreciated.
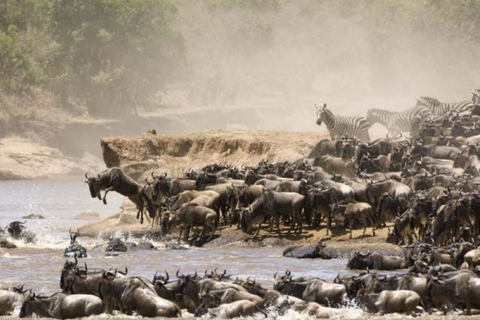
(423, 189)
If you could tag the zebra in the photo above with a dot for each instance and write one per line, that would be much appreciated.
(338, 126)
(476, 97)
(439, 108)
(405, 121)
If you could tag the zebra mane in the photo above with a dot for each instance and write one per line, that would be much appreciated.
(429, 99)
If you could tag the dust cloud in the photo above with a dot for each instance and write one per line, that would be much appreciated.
(276, 59)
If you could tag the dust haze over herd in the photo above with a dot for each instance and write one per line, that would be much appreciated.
(353, 55)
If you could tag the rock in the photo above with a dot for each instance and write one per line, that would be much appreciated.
(23, 159)
(131, 246)
(87, 215)
(4, 243)
(116, 245)
(33, 216)
(175, 246)
(112, 254)
(339, 250)
(310, 251)
(144, 245)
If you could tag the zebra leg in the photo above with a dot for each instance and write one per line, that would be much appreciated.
(332, 135)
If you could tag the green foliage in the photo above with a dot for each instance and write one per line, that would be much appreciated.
(116, 52)
(113, 56)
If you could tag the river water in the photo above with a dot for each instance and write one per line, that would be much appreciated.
(60, 200)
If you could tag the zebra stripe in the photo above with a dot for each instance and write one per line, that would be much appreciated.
(350, 126)
(398, 121)
(439, 108)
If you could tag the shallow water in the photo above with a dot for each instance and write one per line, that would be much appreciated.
(60, 200)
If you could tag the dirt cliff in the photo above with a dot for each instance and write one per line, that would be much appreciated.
(179, 153)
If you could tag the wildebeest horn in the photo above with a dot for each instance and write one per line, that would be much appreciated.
(86, 175)
(177, 272)
(155, 275)
(98, 176)
(75, 257)
(153, 175)
(86, 268)
(388, 135)
(195, 275)
(288, 273)
(275, 275)
(168, 277)
(165, 175)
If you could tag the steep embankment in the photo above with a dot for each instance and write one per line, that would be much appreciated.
(26, 159)
(176, 154)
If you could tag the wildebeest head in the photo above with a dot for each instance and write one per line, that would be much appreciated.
(161, 278)
(73, 236)
(209, 299)
(394, 236)
(68, 267)
(358, 260)
(16, 228)
(204, 179)
(160, 185)
(94, 186)
(282, 281)
(366, 301)
(30, 297)
(244, 219)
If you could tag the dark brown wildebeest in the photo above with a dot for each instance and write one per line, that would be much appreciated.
(114, 179)
(61, 306)
(275, 205)
(193, 215)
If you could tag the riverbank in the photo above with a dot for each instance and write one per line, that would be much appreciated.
(25, 159)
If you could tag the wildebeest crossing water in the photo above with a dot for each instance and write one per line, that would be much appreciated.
(38, 265)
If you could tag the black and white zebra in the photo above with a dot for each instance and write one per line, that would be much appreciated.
(338, 126)
(476, 97)
(404, 121)
(439, 108)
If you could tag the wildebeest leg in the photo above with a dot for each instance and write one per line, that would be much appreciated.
(258, 230)
(180, 233)
(105, 195)
(277, 222)
(329, 222)
(373, 225)
(186, 235)
(140, 214)
(351, 227)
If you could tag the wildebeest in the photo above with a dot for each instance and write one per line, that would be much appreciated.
(18, 230)
(114, 179)
(357, 211)
(275, 205)
(191, 215)
(375, 260)
(61, 306)
(135, 294)
(391, 301)
(11, 300)
(338, 166)
(311, 289)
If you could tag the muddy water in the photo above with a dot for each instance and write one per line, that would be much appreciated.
(61, 200)
(38, 265)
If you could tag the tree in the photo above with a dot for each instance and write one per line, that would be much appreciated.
(116, 53)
